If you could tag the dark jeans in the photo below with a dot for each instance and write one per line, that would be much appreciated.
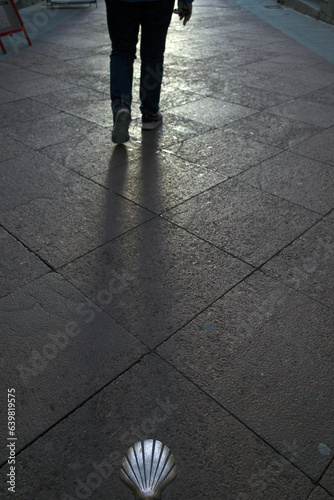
(124, 19)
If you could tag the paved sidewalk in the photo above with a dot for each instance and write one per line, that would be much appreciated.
(180, 287)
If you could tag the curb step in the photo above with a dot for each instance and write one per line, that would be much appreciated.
(308, 7)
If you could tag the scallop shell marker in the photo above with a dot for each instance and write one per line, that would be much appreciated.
(147, 468)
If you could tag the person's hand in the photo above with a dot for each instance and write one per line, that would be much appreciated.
(185, 11)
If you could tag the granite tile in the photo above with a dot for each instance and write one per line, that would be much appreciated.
(29, 176)
(35, 85)
(322, 96)
(71, 98)
(307, 264)
(173, 277)
(61, 215)
(93, 153)
(22, 110)
(213, 112)
(57, 67)
(98, 112)
(48, 130)
(274, 130)
(59, 349)
(225, 152)
(10, 75)
(8, 96)
(288, 85)
(249, 97)
(158, 181)
(327, 481)
(53, 50)
(81, 102)
(99, 82)
(320, 494)
(9, 148)
(319, 147)
(268, 67)
(255, 351)
(309, 59)
(242, 220)
(215, 454)
(18, 265)
(28, 59)
(236, 76)
(172, 99)
(304, 110)
(303, 181)
(174, 129)
(232, 57)
(73, 41)
(284, 64)
(320, 75)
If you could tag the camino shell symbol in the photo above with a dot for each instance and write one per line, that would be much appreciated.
(147, 468)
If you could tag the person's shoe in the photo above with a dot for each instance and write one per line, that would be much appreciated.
(151, 120)
(122, 119)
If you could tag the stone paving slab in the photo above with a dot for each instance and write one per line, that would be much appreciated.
(72, 98)
(39, 213)
(82, 102)
(158, 181)
(28, 59)
(213, 111)
(150, 241)
(294, 85)
(57, 52)
(173, 277)
(8, 96)
(170, 99)
(19, 182)
(320, 494)
(322, 96)
(306, 111)
(9, 148)
(244, 95)
(60, 349)
(284, 64)
(255, 351)
(242, 220)
(175, 129)
(307, 182)
(90, 153)
(224, 151)
(10, 75)
(294, 24)
(47, 130)
(38, 86)
(77, 461)
(307, 264)
(18, 265)
(318, 147)
(274, 130)
(327, 480)
(22, 110)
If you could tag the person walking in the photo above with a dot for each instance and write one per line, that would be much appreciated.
(124, 18)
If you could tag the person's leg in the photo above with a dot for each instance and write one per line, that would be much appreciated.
(123, 24)
(155, 20)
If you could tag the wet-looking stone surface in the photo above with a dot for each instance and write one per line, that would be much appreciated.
(179, 287)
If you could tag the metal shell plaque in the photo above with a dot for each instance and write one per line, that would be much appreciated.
(147, 468)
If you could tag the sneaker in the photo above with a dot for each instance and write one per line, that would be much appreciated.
(151, 120)
(122, 119)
